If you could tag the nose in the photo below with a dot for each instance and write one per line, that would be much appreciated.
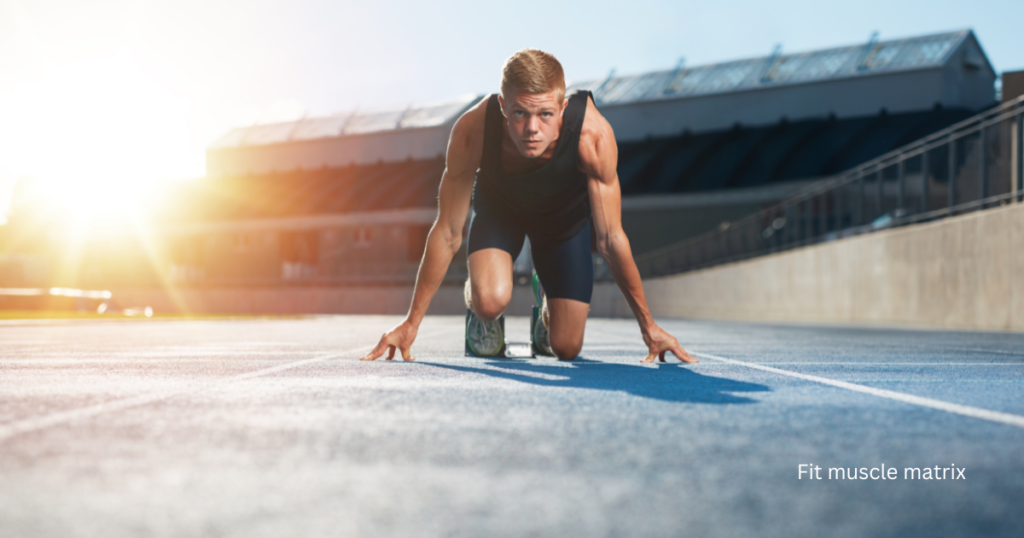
(533, 124)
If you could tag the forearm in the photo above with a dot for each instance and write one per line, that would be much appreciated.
(619, 256)
(441, 248)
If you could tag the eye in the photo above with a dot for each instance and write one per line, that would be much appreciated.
(519, 113)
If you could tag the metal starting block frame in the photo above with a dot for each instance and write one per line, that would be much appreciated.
(509, 350)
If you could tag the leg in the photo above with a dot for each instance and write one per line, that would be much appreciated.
(566, 272)
(494, 242)
(489, 288)
(567, 318)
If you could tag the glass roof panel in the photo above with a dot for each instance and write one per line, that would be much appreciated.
(369, 122)
(309, 129)
(234, 138)
(855, 60)
(881, 56)
(273, 133)
(437, 114)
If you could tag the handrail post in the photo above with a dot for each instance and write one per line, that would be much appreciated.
(982, 166)
(1018, 151)
(951, 174)
(925, 195)
(787, 235)
(900, 186)
(862, 210)
(880, 179)
(805, 221)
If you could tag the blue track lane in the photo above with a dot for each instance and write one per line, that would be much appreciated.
(272, 427)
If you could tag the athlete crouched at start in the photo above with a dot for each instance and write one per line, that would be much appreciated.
(533, 163)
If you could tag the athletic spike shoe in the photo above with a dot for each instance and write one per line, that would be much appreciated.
(538, 292)
(539, 334)
(484, 338)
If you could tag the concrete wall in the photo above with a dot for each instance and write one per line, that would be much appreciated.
(965, 272)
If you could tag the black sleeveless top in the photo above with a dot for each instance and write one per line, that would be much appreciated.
(550, 203)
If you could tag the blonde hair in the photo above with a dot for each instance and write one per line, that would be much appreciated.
(532, 71)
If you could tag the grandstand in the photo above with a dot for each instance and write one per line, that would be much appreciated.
(948, 71)
(699, 146)
(349, 197)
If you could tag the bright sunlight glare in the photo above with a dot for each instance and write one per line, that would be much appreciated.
(97, 135)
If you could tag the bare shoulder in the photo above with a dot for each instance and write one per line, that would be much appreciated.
(598, 151)
(465, 146)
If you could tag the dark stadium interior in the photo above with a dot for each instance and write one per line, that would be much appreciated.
(692, 162)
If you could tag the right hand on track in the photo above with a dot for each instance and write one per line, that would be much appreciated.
(400, 337)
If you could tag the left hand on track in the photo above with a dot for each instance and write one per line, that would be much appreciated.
(658, 342)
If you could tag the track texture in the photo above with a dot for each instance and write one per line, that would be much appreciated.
(273, 427)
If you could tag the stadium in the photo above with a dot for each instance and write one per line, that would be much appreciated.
(307, 216)
(835, 234)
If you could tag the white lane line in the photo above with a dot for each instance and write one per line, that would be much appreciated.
(33, 424)
(965, 410)
(142, 362)
(127, 357)
(898, 363)
(54, 419)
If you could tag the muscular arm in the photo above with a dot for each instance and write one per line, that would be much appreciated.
(598, 160)
(465, 148)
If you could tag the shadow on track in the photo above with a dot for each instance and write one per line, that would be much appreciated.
(669, 382)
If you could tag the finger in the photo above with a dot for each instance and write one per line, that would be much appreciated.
(650, 357)
(391, 352)
(661, 356)
(407, 355)
(376, 352)
(683, 355)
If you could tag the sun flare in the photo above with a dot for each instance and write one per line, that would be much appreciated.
(98, 136)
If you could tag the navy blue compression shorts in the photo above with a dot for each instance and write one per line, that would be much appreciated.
(565, 268)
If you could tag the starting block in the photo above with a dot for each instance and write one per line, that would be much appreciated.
(507, 350)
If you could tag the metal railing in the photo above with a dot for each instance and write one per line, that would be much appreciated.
(975, 164)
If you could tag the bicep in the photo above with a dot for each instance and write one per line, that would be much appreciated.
(599, 159)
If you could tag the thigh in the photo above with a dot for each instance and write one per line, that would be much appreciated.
(493, 244)
(565, 268)
(490, 229)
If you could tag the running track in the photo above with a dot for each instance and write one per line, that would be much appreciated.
(273, 428)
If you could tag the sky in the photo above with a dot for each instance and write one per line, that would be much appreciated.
(121, 94)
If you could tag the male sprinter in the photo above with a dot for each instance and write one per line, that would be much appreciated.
(535, 164)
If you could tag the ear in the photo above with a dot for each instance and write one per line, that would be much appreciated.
(502, 103)
(565, 103)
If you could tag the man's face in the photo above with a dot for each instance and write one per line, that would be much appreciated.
(534, 120)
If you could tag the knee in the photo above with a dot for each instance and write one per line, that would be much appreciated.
(489, 304)
(565, 349)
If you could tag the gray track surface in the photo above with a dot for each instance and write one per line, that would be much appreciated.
(273, 428)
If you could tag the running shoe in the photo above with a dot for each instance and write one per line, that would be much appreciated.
(538, 292)
(484, 338)
(539, 333)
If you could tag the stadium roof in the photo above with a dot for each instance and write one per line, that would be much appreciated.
(776, 70)
(871, 58)
(347, 123)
